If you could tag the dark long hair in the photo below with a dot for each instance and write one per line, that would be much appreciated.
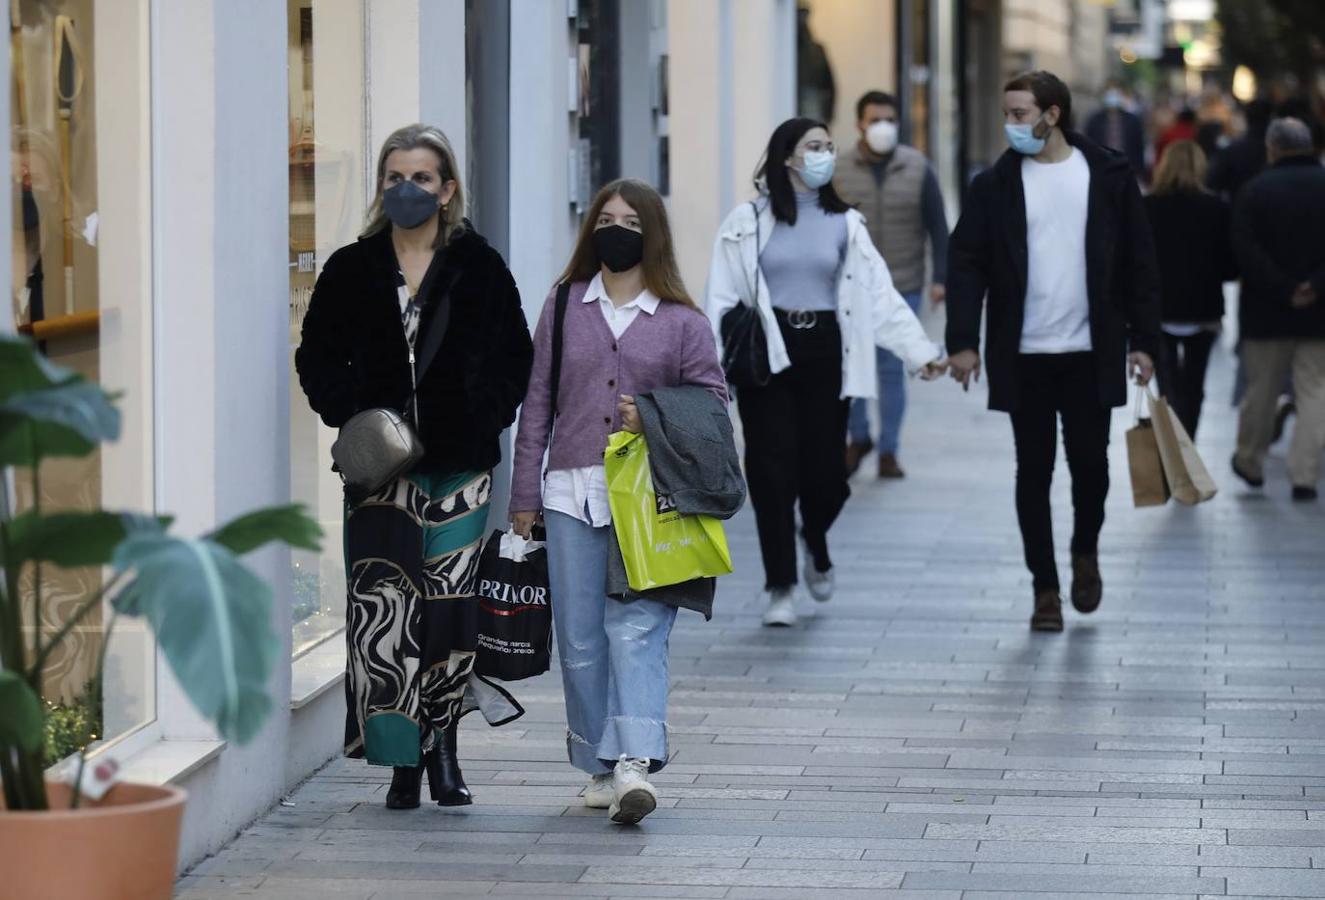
(775, 179)
(661, 274)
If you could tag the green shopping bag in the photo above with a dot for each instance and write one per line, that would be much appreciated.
(659, 545)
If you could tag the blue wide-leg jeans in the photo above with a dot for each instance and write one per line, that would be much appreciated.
(613, 654)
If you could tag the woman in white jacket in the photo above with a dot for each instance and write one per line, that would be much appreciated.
(802, 258)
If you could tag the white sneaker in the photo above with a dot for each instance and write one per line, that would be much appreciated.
(634, 797)
(781, 612)
(601, 792)
(820, 584)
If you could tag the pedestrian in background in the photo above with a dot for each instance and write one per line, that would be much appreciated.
(1057, 236)
(1116, 127)
(1244, 157)
(629, 328)
(895, 187)
(803, 258)
(412, 548)
(1195, 255)
(1279, 238)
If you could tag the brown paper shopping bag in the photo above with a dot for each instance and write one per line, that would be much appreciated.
(1188, 479)
(1149, 487)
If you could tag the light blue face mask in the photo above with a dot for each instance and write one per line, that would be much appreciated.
(817, 169)
(1022, 138)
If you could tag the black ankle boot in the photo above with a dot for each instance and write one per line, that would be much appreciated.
(406, 782)
(444, 779)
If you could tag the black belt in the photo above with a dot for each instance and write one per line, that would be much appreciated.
(805, 319)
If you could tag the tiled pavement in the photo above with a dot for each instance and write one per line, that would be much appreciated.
(914, 741)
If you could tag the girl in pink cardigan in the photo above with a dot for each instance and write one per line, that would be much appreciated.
(630, 328)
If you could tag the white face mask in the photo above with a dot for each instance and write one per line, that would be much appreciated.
(882, 137)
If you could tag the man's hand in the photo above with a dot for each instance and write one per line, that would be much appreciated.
(937, 294)
(964, 366)
(1141, 366)
(522, 523)
(630, 420)
(1304, 296)
(934, 369)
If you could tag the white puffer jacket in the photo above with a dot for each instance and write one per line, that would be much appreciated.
(870, 311)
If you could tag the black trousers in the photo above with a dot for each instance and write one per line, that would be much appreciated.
(1050, 386)
(795, 429)
(1181, 373)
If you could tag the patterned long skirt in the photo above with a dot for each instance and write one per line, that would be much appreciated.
(412, 553)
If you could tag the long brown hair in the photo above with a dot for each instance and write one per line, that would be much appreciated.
(1181, 170)
(661, 275)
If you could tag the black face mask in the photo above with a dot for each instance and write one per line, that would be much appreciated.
(619, 248)
(407, 205)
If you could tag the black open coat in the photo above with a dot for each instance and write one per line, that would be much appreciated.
(987, 254)
(354, 356)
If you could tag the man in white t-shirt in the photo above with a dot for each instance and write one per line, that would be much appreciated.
(1055, 234)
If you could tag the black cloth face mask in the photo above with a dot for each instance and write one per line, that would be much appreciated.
(407, 205)
(619, 248)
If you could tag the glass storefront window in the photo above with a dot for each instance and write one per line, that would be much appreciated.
(327, 205)
(81, 288)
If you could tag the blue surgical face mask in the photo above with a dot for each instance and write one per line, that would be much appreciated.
(1022, 138)
(1113, 99)
(817, 168)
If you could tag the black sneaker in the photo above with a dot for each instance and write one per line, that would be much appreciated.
(1253, 482)
(1087, 586)
(1048, 615)
(1304, 494)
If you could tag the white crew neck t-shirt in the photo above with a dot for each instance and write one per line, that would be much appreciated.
(1057, 311)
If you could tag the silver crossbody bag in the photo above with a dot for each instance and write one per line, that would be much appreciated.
(377, 446)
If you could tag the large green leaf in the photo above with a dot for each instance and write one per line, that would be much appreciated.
(73, 538)
(23, 368)
(289, 524)
(212, 617)
(20, 714)
(67, 420)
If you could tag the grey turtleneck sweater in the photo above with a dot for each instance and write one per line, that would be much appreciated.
(800, 262)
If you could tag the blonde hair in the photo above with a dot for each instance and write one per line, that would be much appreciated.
(414, 137)
(661, 275)
(1181, 170)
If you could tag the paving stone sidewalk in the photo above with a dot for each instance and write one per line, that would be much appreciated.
(914, 740)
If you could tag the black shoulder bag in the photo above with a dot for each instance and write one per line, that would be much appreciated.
(744, 344)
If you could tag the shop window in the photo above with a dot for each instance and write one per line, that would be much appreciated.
(327, 204)
(81, 288)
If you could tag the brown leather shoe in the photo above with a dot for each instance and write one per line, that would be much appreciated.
(888, 467)
(1048, 615)
(1087, 586)
(857, 451)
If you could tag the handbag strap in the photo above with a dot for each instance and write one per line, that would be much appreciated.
(758, 238)
(438, 323)
(558, 337)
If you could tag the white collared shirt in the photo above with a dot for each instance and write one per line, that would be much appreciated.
(582, 493)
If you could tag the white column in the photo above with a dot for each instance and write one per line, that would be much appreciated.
(441, 55)
(542, 226)
(220, 297)
(394, 84)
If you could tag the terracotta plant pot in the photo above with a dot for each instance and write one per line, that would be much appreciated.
(122, 848)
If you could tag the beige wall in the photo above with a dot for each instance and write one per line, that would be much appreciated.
(729, 87)
(860, 37)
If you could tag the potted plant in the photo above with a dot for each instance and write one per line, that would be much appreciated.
(211, 616)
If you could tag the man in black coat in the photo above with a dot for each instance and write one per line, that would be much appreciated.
(1244, 158)
(1279, 238)
(1119, 129)
(1056, 235)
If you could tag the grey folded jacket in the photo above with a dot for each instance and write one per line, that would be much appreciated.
(693, 460)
